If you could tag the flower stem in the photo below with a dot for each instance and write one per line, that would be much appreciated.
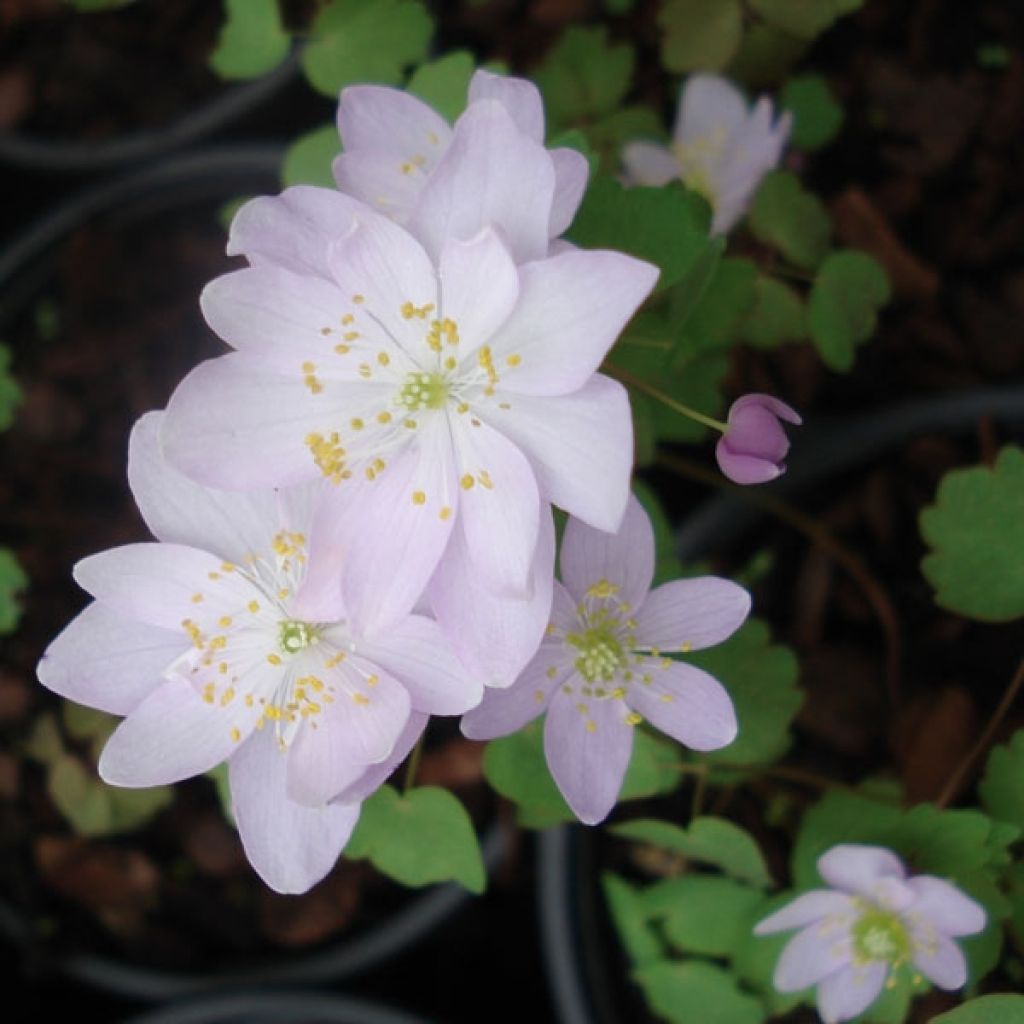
(819, 534)
(631, 380)
(412, 765)
(954, 782)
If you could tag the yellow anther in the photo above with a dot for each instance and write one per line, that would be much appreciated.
(372, 681)
(356, 423)
(358, 299)
(347, 319)
(274, 659)
(213, 575)
(419, 498)
(313, 383)
(365, 371)
(224, 621)
(485, 479)
(591, 725)
(361, 699)
(633, 718)
(467, 481)
(227, 697)
(350, 335)
(308, 367)
(196, 598)
(538, 696)
(253, 606)
(411, 424)
(446, 512)
(342, 349)
(383, 358)
(384, 417)
(514, 360)
(552, 672)
(236, 734)
(462, 407)
(208, 693)
(325, 331)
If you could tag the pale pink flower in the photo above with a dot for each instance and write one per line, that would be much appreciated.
(873, 920)
(754, 446)
(213, 645)
(719, 148)
(601, 669)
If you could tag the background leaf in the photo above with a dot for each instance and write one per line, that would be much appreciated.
(444, 83)
(10, 392)
(252, 39)
(788, 218)
(629, 914)
(994, 1009)
(695, 990)
(699, 35)
(817, 117)
(777, 315)
(307, 161)
(1002, 788)
(13, 581)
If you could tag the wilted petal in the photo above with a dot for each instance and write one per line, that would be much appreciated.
(587, 744)
(689, 615)
(845, 994)
(495, 636)
(417, 654)
(945, 907)
(571, 309)
(858, 868)
(292, 847)
(494, 175)
(571, 174)
(804, 910)
(519, 96)
(647, 163)
(809, 956)
(580, 447)
(685, 703)
(104, 660)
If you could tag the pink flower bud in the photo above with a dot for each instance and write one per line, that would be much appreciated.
(752, 449)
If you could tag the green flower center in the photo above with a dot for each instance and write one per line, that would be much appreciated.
(423, 391)
(601, 655)
(296, 636)
(880, 935)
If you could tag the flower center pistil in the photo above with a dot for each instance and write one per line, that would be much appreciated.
(294, 636)
(601, 655)
(422, 390)
(880, 935)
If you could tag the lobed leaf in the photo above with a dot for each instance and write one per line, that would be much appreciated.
(699, 35)
(307, 161)
(444, 83)
(817, 117)
(790, 219)
(1002, 787)
(631, 919)
(252, 39)
(993, 1009)
(695, 990)
(776, 317)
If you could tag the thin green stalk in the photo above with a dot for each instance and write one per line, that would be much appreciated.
(631, 380)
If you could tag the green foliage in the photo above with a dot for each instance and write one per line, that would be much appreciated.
(817, 117)
(13, 581)
(790, 219)
(308, 159)
(766, 56)
(994, 1009)
(584, 77)
(709, 840)
(976, 531)
(610, 133)
(842, 311)
(252, 40)
(444, 83)
(777, 315)
(515, 766)
(10, 393)
(419, 837)
(699, 35)
(92, 6)
(44, 743)
(1002, 788)
(761, 679)
(804, 18)
(365, 41)
(713, 320)
(666, 562)
(630, 914)
(696, 990)
(665, 226)
(755, 957)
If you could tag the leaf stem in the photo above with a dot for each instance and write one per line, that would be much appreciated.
(631, 380)
(412, 765)
(955, 781)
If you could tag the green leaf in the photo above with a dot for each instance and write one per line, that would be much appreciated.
(804, 18)
(80, 797)
(584, 76)
(817, 117)
(307, 161)
(790, 219)
(994, 1009)
(252, 40)
(699, 35)
(10, 393)
(708, 840)
(976, 530)
(12, 582)
(1002, 788)
(666, 562)
(83, 723)
(365, 41)
(695, 990)
(418, 838)
(44, 742)
(132, 808)
(444, 83)
(761, 679)
(704, 914)
(847, 293)
(629, 915)
(610, 132)
(515, 766)
(713, 321)
(766, 56)
(755, 957)
(665, 226)
(218, 775)
(776, 317)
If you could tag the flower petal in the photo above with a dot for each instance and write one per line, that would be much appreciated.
(625, 558)
(687, 704)
(379, 119)
(292, 847)
(103, 660)
(503, 711)
(376, 775)
(587, 746)
(172, 735)
(294, 229)
(845, 994)
(178, 510)
(378, 179)
(571, 174)
(689, 615)
(571, 309)
(519, 96)
(945, 907)
(648, 163)
(417, 654)
(806, 909)
(499, 506)
(495, 636)
(939, 959)
(810, 956)
(710, 106)
(479, 288)
(857, 868)
(494, 175)
(359, 727)
(580, 447)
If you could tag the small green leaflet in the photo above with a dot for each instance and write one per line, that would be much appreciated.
(697, 991)
(12, 582)
(1002, 788)
(776, 317)
(817, 117)
(308, 159)
(804, 18)
(252, 40)
(976, 532)
(699, 35)
(994, 1009)
(444, 83)
(419, 837)
(629, 912)
(766, 56)
(790, 219)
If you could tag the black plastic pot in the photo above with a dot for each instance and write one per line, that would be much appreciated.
(176, 184)
(577, 935)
